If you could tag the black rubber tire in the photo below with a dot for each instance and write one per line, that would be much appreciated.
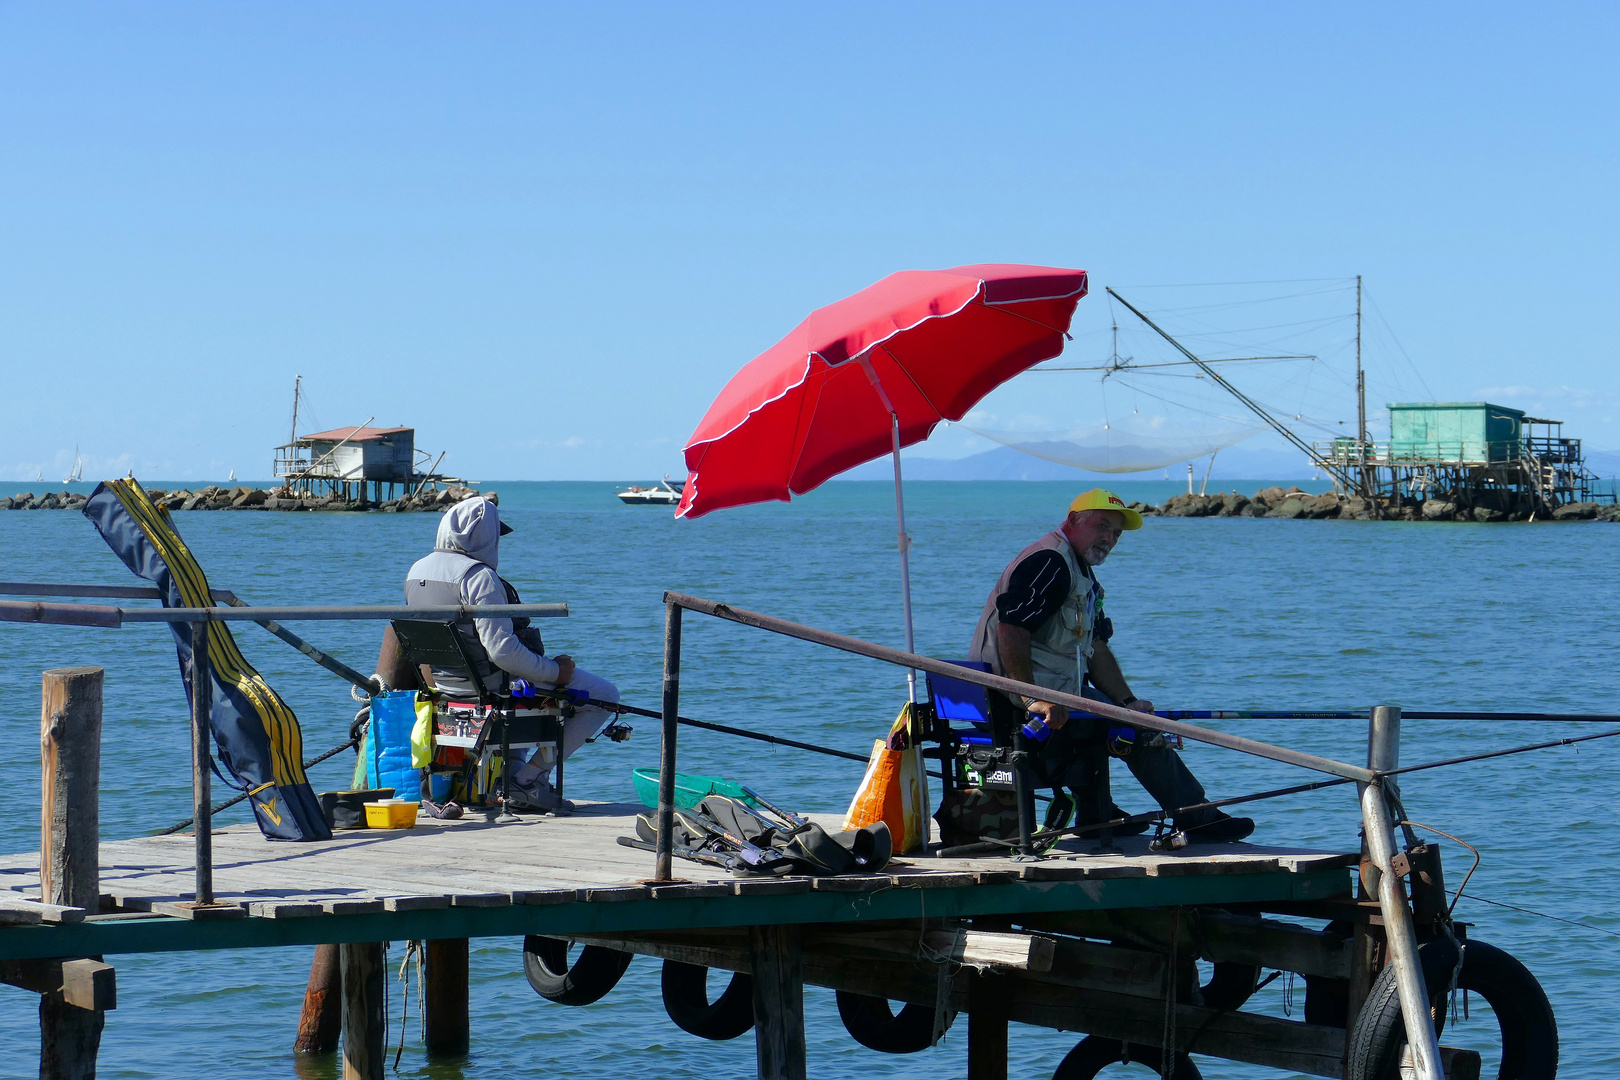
(1524, 1016)
(686, 999)
(1094, 1053)
(594, 972)
(877, 1027)
(1229, 986)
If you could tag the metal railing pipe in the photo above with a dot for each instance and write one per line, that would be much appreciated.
(99, 615)
(1384, 754)
(663, 868)
(202, 815)
(901, 658)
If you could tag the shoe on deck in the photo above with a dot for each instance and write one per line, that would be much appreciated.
(1222, 829)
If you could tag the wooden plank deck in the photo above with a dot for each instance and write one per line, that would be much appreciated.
(568, 874)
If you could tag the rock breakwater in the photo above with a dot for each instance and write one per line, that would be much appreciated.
(214, 497)
(1291, 502)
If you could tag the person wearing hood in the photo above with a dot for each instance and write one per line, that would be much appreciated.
(462, 569)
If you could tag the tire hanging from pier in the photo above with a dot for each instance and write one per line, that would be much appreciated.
(686, 999)
(593, 973)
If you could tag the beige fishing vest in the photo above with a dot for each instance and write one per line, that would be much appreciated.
(1061, 646)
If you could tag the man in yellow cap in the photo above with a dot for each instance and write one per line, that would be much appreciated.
(1044, 624)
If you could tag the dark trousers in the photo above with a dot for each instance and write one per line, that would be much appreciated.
(1077, 758)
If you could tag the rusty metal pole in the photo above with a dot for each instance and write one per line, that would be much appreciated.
(202, 814)
(321, 1020)
(1383, 752)
(663, 869)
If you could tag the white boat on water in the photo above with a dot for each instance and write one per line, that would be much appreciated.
(665, 494)
(78, 469)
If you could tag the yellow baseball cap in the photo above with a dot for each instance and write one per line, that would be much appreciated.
(1098, 499)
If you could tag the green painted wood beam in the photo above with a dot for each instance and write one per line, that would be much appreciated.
(106, 936)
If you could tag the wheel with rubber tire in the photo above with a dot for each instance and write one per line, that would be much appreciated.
(594, 972)
(1093, 1054)
(686, 999)
(1525, 1021)
(876, 1026)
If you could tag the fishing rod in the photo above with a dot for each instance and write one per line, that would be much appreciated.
(1347, 714)
(228, 803)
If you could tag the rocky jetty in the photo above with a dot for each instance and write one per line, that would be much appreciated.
(214, 497)
(1293, 503)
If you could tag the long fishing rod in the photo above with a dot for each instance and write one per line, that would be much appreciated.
(1152, 817)
(1349, 714)
(744, 733)
(228, 803)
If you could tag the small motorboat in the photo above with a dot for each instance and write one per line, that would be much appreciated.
(665, 494)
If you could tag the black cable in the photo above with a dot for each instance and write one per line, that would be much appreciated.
(1539, 914)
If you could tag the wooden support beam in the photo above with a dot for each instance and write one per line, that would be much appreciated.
(777, 961)
(84, 984)
(987, 1008)
(69, 864)
(1242, 939)
(321, 1021)
(445, 1001)
(363, 1021)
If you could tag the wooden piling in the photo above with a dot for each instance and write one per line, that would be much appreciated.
(777, 958)
(321, 1020)
(69, 859)
(363, 967)
(988, 1000)
(445, 1000)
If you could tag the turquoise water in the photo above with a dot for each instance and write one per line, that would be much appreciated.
(1233, 613)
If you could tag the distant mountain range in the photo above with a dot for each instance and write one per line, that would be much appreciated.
(1005, 463)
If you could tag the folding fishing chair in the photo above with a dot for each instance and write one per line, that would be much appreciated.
(472, 725)
(980, 756)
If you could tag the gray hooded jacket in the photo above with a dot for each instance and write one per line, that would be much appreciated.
(461, 570)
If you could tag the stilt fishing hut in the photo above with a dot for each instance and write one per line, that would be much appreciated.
(1092, 935)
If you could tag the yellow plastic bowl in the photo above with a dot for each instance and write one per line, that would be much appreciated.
(391, 814)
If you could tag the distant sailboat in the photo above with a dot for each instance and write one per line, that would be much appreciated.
(40, 478)
(78, 469)
(231, 479)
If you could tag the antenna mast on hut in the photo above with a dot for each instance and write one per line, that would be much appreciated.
(298, 382)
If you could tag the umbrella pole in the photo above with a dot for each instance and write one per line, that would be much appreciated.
(905, 556)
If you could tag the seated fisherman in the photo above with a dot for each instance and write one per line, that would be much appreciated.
(461, 570)
(1044, 624)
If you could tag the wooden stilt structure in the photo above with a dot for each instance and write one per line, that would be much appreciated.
(364, 1024)
(445, 1001)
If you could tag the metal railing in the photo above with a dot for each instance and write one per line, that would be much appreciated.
(60, 614)
(1375, 781)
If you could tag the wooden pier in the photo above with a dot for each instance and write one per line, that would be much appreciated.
(568, 877)
(1096, 936)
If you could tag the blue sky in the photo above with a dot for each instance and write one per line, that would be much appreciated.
(546, 235)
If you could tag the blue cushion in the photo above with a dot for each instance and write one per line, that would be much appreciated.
(956, 699)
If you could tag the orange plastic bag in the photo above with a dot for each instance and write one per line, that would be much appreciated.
(895, 788)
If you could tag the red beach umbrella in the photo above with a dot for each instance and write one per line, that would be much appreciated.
(872, 373)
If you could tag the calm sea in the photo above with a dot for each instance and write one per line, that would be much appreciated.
(1215, 613)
